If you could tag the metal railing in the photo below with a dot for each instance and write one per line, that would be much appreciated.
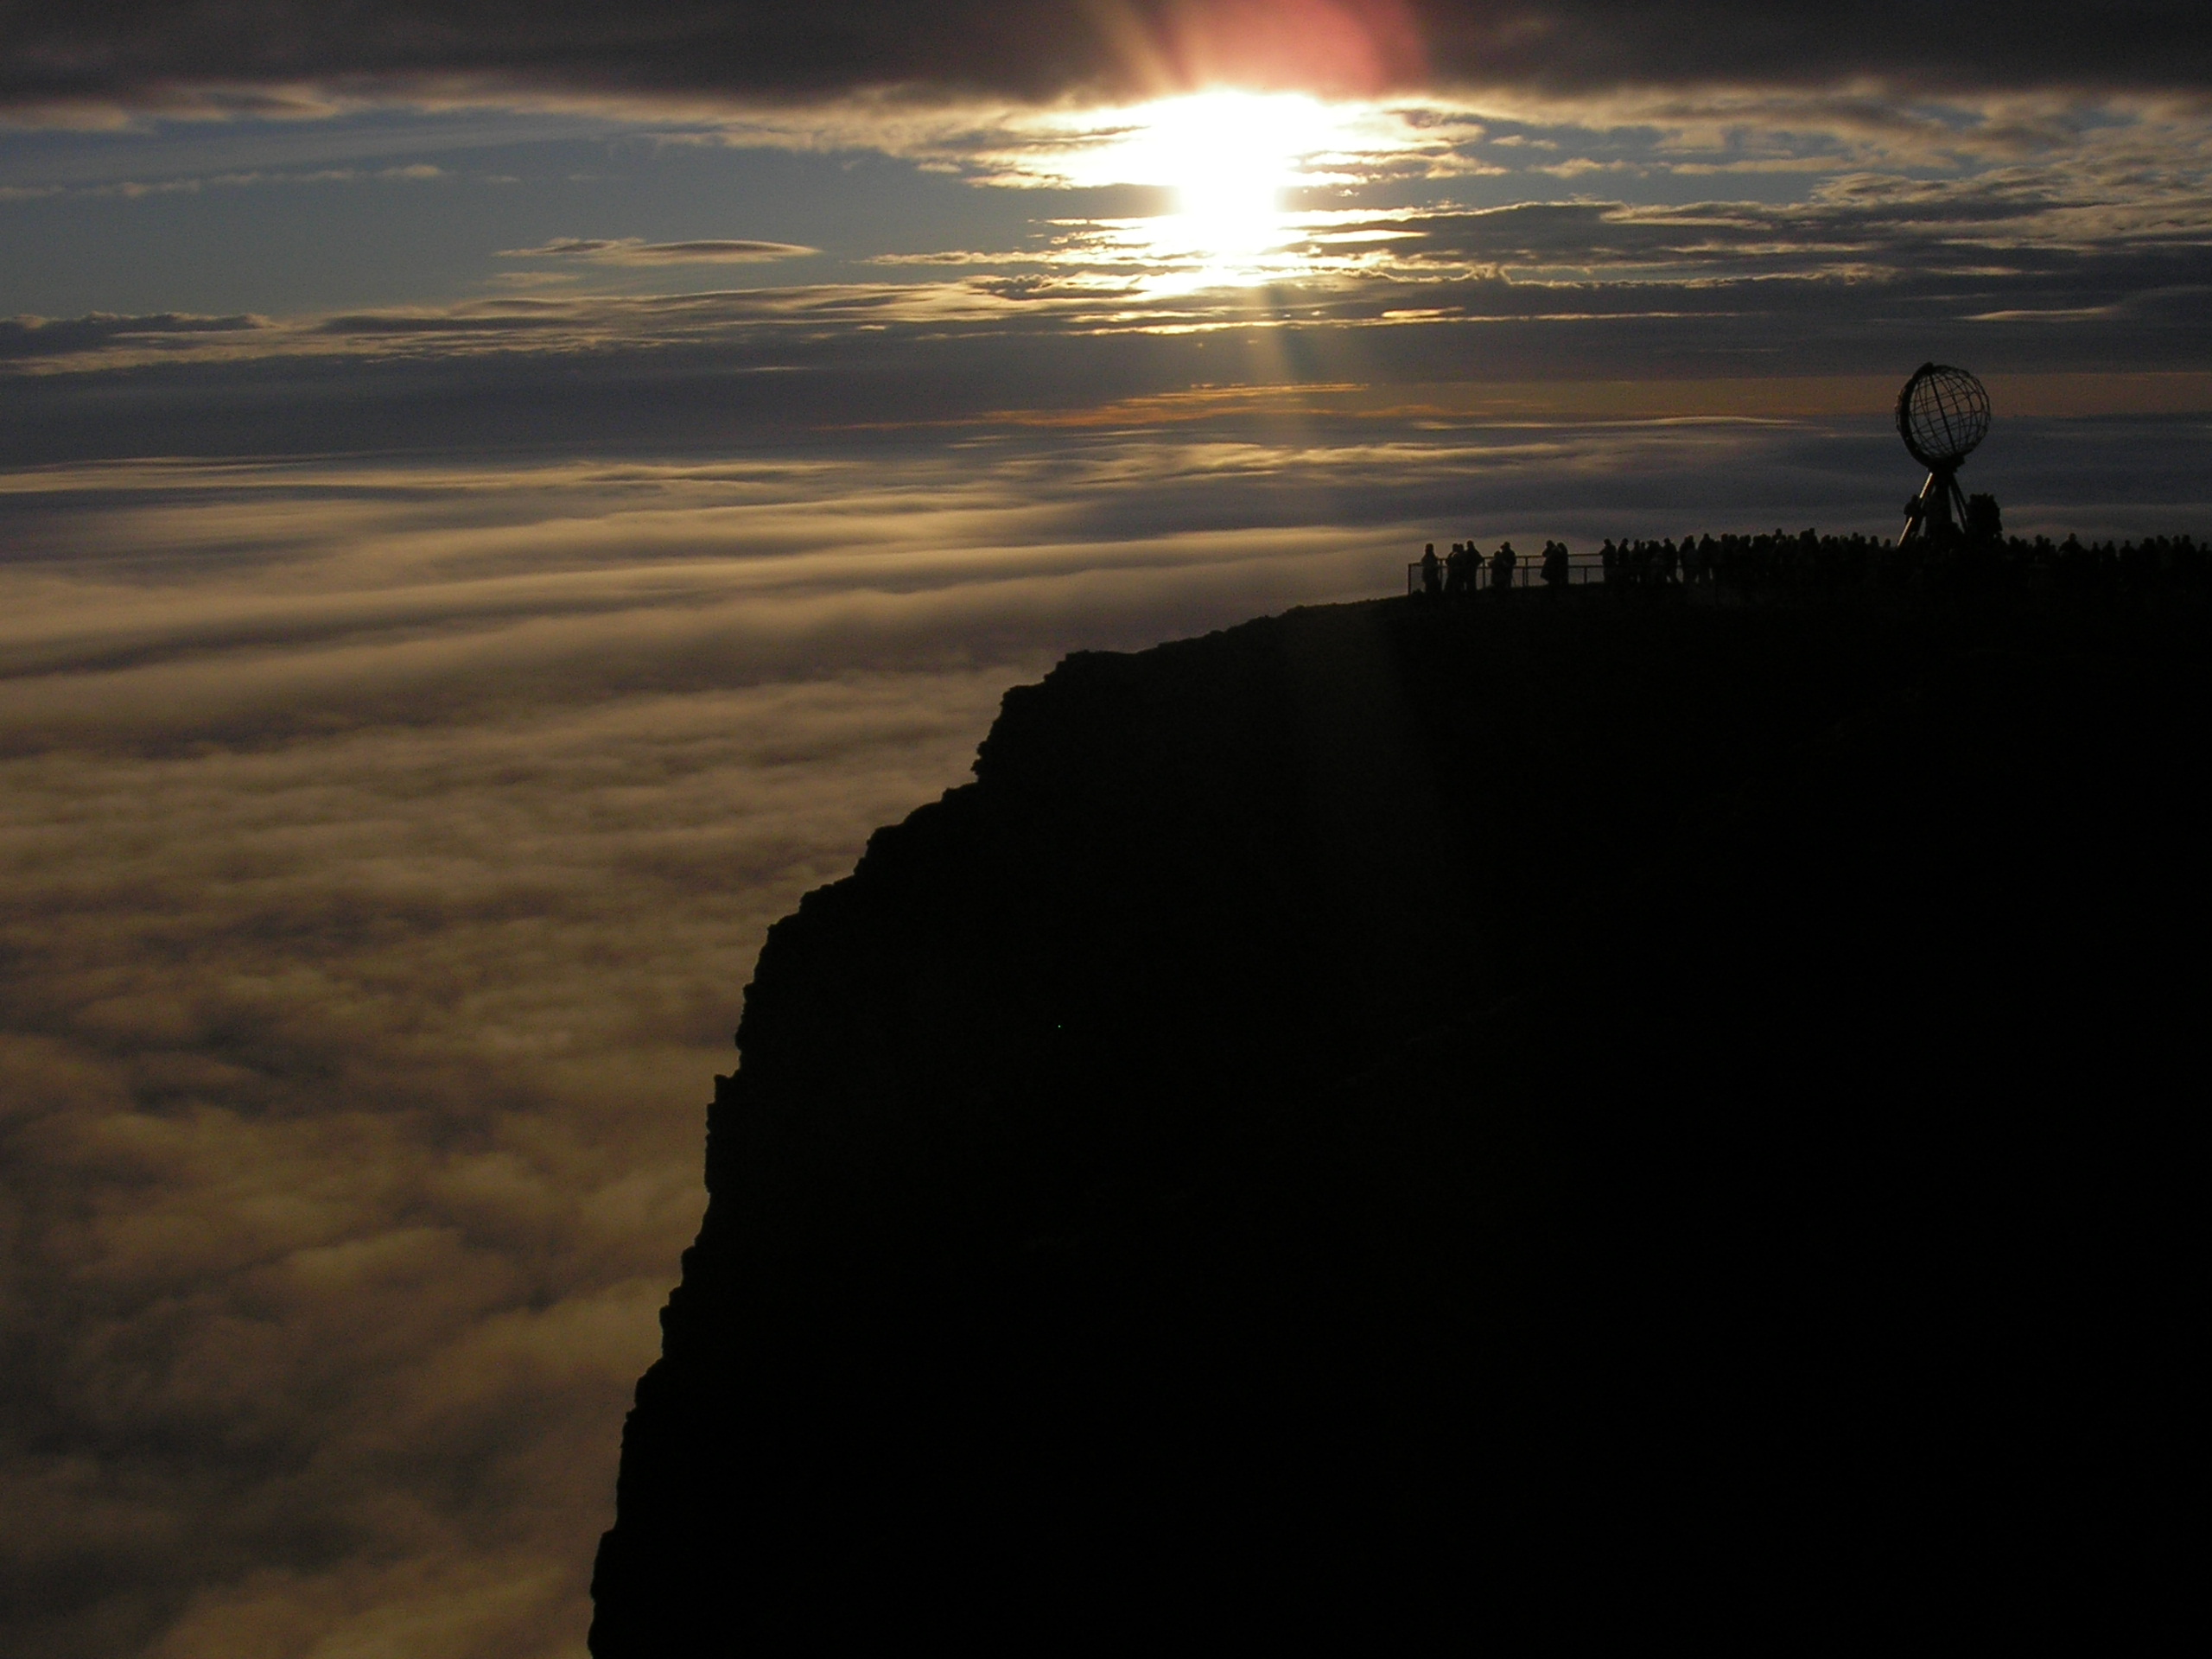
(1581, 570)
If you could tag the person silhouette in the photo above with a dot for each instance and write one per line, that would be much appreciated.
(1456, 578)
(1431, 573)
(1501, 566)
(1554, 567)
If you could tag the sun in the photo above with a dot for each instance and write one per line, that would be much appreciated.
(1227, 157)
(1234, 155)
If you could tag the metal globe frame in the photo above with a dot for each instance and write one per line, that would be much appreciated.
(1943, 414)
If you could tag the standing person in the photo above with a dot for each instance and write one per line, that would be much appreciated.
(1457, 580)
(1431, 573)
(1501, 566)
(1555, 565)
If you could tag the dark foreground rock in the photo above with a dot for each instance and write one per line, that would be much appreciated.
(1356, 1118)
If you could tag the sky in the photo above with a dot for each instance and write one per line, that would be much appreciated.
(496, 501)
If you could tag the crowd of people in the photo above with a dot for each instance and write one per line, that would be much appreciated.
(1809, 561)
(1464, 569)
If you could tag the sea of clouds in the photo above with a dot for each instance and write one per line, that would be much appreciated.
(385, 846)
(383, 852)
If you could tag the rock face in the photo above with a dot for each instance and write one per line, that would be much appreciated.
(1700, 1093)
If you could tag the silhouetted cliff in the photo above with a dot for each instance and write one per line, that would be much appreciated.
(1698, 1094)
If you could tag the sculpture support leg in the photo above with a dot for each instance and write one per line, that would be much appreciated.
(1938, 510)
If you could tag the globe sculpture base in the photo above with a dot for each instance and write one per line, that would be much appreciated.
(1938, 511)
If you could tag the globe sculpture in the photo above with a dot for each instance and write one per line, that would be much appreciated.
(1942, 413)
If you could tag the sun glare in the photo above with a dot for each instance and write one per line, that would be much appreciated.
(1227, 157)
(1230, 158)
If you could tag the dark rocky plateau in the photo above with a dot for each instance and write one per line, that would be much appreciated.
(1555, 1111)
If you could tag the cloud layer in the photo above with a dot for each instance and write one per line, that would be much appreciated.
(218, 55)
(1383, 315)
(384, 850)
(383, 846)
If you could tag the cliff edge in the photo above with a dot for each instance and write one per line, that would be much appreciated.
(1701, 1093)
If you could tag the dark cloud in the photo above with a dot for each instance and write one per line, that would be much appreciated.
(34, 337)
(222, 55)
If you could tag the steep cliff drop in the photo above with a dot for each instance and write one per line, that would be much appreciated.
(1692, 1100)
